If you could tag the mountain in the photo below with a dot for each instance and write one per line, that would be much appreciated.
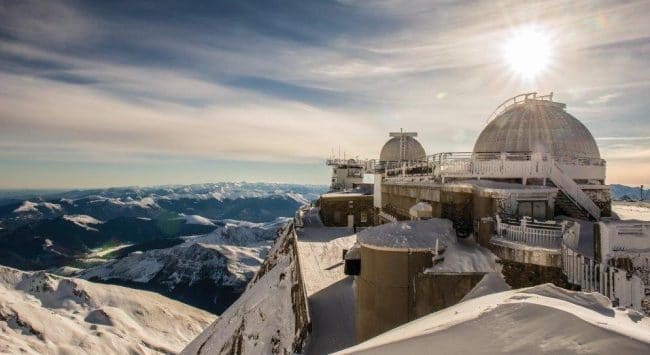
(271, 317)
(41, 313)
(62, 228)
(207, 271)
(68, 239)
(255, 202)
(622, 192)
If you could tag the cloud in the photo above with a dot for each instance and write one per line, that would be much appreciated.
(603, 99)
(243, 81)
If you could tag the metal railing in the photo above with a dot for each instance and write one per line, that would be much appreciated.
(518, 99)
(513, 165)
(624, 289)
(573, 191)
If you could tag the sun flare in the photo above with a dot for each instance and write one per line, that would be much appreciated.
(528, 52)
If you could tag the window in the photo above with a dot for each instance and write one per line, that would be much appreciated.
(364, 217)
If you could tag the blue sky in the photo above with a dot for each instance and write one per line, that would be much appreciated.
(139, 93)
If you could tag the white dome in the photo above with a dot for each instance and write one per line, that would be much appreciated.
(413, 150)
(538, 125)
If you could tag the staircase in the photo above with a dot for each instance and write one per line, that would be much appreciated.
(573, 193)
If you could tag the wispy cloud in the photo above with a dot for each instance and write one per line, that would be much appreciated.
(603, 99)
(245, 81)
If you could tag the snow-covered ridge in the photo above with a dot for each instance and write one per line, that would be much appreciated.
(45, 314)
(271, 317)
(29, 206)
(196, 219)
(83, 221)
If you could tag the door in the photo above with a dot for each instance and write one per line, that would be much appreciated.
(350, 220)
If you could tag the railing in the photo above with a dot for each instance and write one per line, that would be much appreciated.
(573, 191)
(513, 165)
(530, 233)
(624, 289)
(518, 99)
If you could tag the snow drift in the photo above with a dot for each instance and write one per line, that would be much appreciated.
(540, 319)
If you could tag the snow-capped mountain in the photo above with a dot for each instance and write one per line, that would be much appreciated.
(257, 202)
(62, 228)
(41, 313)
(208, 271)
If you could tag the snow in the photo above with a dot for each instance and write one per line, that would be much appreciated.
(492, 282)
(100, 253)
(330, 291)
(638, 211)
(540, 319)
(408, 234)
(262, 320)
(341, 194)
(83, 221)
(45, 314)
(29, 206)
(230, 255)
(464, 256)
(196, 219)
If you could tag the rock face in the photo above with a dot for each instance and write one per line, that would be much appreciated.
(41, 313)
(271, 317)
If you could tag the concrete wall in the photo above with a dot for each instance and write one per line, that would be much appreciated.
(399, 198)
(519, 275)
(528, 255)
(438, 291)
(392, 289)
(385, 289)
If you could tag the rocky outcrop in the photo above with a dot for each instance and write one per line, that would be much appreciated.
(271, 317)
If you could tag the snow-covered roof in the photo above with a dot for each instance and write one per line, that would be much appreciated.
(408, 234)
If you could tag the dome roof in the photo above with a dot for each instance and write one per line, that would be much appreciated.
(538, 125)
(391, 150)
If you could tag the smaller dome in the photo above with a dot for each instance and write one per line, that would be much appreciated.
(412, 150)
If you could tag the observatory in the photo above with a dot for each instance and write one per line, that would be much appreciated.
(402, 146)
(531, 193)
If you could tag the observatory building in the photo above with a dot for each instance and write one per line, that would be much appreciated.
(402, 147)
(531, 194)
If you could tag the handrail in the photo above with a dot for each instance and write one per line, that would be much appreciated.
(514, 101)
(530, 233)
(573, 191)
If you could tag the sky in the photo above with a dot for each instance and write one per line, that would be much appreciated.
(114, 93)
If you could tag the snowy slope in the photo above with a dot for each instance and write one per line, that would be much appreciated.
(270, 317)
(536, 320)
(632, 210)
(45, 314)
(208, 271)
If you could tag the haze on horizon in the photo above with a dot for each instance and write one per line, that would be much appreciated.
(98, 94)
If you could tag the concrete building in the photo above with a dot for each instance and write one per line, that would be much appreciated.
(346, 209)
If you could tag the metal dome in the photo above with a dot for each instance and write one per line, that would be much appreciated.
(537, 125)
(413, 150)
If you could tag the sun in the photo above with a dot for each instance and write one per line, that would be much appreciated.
(528, 51)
